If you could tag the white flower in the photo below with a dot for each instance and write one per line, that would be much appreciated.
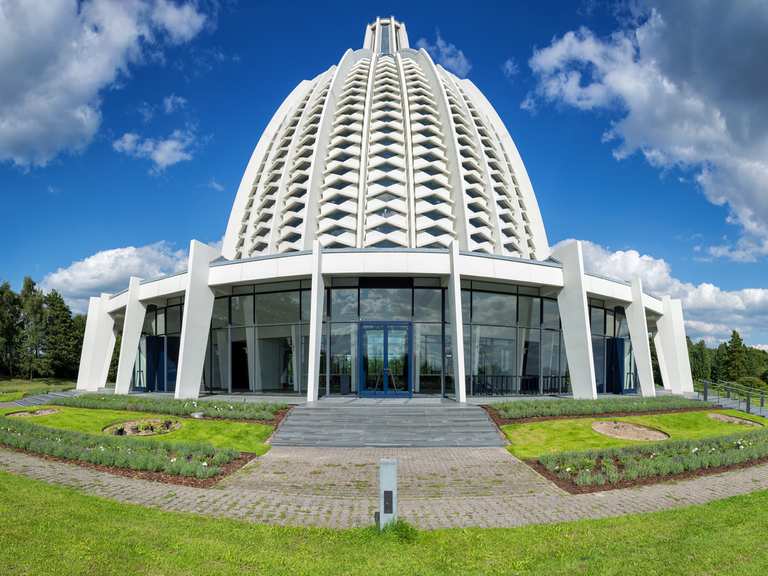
(173, 460)
(205, 463)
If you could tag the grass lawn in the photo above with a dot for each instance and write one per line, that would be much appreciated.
(17, 388)
(242, 436)
(47, 529)
(532, 439)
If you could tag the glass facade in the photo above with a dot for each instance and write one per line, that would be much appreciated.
(615, 370)
(157, 358)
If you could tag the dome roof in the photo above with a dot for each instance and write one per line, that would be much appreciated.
(385, 149)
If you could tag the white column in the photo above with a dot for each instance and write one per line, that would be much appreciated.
(457, 324)
(638, 334)
(134, 320)
(317, 296)
(196, 321)
(574, 315)
(98, 345)
(672, 348)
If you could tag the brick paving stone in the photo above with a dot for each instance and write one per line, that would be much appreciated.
(438, 488)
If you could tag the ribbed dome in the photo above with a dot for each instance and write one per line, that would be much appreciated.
(386, 149)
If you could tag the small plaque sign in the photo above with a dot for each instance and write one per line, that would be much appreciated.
(387, 501)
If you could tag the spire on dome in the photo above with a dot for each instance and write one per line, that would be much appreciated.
(386, 36)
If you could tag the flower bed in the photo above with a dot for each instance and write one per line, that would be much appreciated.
(616, 467)
(175, 459)
(262, 411)
(569, 407)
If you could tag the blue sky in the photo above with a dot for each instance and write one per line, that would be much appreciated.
(183, 90)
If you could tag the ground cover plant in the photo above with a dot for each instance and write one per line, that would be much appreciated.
(208, 408)
(17, 388)
(238, 435)
(534, 439)
(52, 530)
(658, 459)
(197, 460)
(520, 409)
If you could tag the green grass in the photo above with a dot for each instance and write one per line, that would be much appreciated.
(17, 388)
(140, 403)
(571, 407)
(241, 436)
(533, 439)
(52, 530)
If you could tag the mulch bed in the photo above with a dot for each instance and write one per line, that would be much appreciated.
(573, 488)
(500, 421)
(226, 470)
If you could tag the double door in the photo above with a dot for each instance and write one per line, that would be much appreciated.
(386, 358)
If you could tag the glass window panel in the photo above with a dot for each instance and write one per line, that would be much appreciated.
(428, 361)
(609, 323)
(495, 287)
(597, 320)
(277, 358)
(551, 314)
(529, 290)
(306, 304)
(220, 359)
(242, 310)
(344, 303)
(344, 281)
(385, 39)
(160, 322)
(550, 361)
(343, 345)
(599, 355)
(530, 311)
(386, 303)
(277, 286)
(247, 289)
(241, 359)
(466, 305)
(529, 353)
(149, 322)
(220, 316)
(493, 360)
(622, 328)
(173, 320)
(277, 308)
(427, 282)
(428, 304)
(493, 308)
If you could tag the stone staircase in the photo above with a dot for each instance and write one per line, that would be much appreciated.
(387, 423)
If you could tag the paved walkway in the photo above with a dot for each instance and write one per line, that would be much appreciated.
(440, 487)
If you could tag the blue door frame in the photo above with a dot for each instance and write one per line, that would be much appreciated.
(385, 392)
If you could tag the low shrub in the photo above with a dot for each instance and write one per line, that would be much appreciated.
(571, 407)
(614, 465)
(178, 458)
(753, 382)
(210, 408)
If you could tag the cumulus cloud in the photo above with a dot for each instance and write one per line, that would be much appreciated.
(710, 312)
(163, 152)
(109, 271)
(57, 57)
(447, 55)
(510, 68)
(686, 82)
(172, 103)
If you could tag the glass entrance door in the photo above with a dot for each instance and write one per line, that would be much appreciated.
(385, 359)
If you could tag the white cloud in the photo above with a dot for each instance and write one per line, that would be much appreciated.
(182, 22)
(510, 68)
(58, 56)
(172, 103)
(710, 312)
(682, 79)
(216, 185)
(162, 152)
(109, 271)
(447, 55)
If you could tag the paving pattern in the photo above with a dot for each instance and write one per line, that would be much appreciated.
(439, 488)
(361, 422)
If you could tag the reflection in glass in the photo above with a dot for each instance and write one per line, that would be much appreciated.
(428, 304)
(242, 310)
(397, 359)
(385, 303)
(373, 359)
(343, 344)
(529, 352)
(529, 313)
(492, 360)
(277, 308)
(492, 308)
(599, 356)
(428, 361)
(173, 320)
(344, 303)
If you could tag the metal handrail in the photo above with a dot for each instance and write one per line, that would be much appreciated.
(744, 397)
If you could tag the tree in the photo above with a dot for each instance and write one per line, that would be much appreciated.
(60, 336)
(700, 362)
(718, 363)
(10, 328)
(33, 320)
(736, 358)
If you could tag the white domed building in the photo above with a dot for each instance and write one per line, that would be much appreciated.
(385, 220)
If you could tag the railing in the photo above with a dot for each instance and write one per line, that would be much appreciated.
(732, 395)
(505, 385)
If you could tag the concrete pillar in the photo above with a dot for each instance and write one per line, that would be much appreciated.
(672, 347)
(98, 345)
(134, 321)
(638, 334)
(196, 321)
(317, 296)
(665, 380)
(574, 315)
(457, 324)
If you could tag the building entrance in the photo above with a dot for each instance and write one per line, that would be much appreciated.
(386, 359)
